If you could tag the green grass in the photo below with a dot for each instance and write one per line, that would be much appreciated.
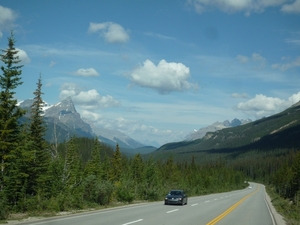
(285, 207)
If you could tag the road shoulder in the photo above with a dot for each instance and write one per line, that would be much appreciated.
(279, 220)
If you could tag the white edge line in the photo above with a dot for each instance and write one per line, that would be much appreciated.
(270, 212)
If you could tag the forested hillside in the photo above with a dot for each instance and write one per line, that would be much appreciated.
(265, 151)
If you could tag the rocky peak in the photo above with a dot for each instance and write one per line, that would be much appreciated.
(215, 127)
(235, 122)
(62, 109)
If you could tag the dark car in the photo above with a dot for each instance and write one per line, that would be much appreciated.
(176, 197)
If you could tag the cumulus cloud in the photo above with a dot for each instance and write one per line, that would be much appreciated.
(88, 100)
(286, 66)
(261, 105)
(91, 116)
(246, 6)
(89, 72)
(165, 77)
(7, 19)
(23, 56)
(112, 32)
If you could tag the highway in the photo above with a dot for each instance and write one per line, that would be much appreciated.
(247, 206)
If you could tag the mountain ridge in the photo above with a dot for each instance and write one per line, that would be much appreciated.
(197, 134)
(280, 130)
(63, 119)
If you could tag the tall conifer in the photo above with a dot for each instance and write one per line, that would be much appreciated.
(41, 157)
(10, 113)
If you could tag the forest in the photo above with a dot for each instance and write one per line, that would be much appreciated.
(81, 173)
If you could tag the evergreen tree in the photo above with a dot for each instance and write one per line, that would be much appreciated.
(116, 165)
(41, 157)
(93, 166)
(137, 168)
(10, 113)
(72, 174)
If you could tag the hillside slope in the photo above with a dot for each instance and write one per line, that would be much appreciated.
(281, 130)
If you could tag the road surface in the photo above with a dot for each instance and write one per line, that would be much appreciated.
(247, 206)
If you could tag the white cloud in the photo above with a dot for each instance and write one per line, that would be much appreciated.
(261, 105)
(136, 128)
(91, 116)
(160, 36)
(52, 63)
(291, 8)
(259, 59)
(88, 100)
(112, 32)
(286, 66)
(246, 6)
(255, 58)
(293, 41)
(165, 77)
(23, 56)
(87, 72)
(242, 58)
(7, 18)
(239, 95)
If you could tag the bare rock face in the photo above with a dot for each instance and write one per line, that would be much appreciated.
(215, 127)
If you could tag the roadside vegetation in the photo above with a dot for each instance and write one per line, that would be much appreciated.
(40, 178)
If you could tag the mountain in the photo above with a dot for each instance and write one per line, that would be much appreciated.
(112, 137)
(63, 121)
(280, 131)
(214, 127)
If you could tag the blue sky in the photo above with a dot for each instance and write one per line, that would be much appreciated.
(157, 70)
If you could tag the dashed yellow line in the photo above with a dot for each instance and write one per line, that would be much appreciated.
(229, 210)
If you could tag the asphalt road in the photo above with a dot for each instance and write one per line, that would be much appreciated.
(247, 206)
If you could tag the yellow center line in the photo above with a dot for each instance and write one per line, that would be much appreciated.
(229, 210)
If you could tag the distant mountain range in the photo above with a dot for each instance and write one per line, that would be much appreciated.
(279, 131)
(214, 127)
(63, 122)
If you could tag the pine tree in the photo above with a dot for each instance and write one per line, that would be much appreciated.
(93, 166)
(41, 158)
(10, 113)
(72, 174)
(116, 165)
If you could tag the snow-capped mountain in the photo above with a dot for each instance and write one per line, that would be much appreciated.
(64, 121)
(214, 127)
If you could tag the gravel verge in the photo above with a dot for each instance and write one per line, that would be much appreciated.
(279, 220)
